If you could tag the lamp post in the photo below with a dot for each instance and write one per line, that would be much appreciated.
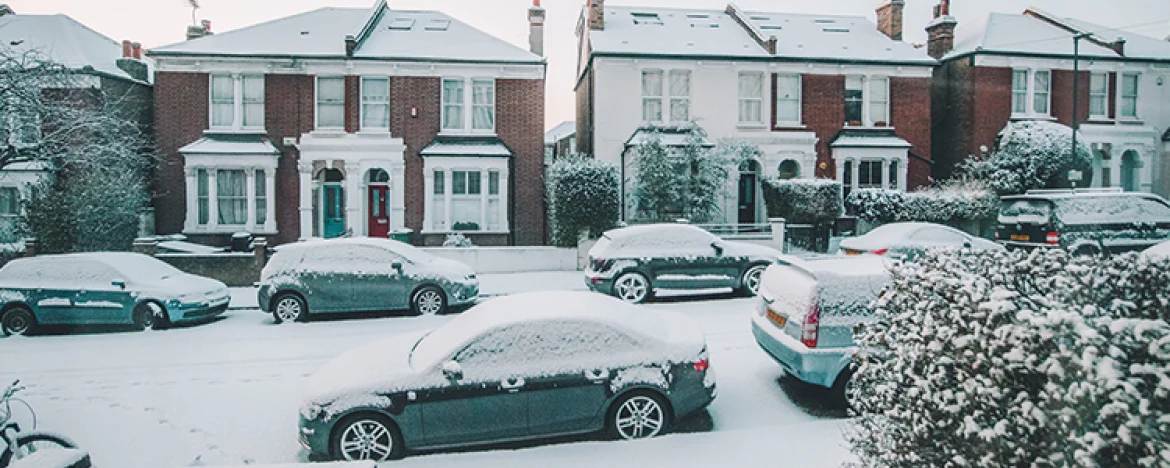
(1076, 87)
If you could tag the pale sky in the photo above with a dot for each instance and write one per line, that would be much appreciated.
(160, 22)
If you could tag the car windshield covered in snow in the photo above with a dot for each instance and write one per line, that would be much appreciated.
(1014, 209)
(1111, 210)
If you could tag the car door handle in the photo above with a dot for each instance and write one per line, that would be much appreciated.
(512, 385)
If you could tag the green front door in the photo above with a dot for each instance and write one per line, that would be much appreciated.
(333, 211)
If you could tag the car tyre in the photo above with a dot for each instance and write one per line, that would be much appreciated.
(750, 281)
(148, 315)
(366, 436)
(18, 320)
(289, 307)
(842, 388)
(632, 287)
(638, 415)
(428, 300)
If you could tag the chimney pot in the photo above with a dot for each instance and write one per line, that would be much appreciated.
(136, 49)
(206, 25)
(127, 49)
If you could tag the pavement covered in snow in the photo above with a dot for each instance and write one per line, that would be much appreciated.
(228, 392)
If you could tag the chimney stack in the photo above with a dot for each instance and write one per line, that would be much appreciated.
(131, 61)
(597, 14)
(889, 18)
(941, 30)
(196, 32)
(536, 28)
(127, 49)
(136, 50)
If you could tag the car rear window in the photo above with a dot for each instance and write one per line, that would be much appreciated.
(1111, 210)
(1014, 210)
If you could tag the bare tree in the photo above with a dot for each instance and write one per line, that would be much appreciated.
(89, 140)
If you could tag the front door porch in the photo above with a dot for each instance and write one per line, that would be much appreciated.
(351, 184)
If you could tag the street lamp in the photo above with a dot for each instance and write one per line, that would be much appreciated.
(1076, 86)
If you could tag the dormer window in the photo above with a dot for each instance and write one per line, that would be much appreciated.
(402, 24)
(438, 25)
(646, 18)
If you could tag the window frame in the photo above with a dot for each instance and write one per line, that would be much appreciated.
(1122, 98)
(475, 82)
(1103, 95)
(368, 102)
(1020, 96)
(12, 197)
(757, 100)
(317, 102)
(229, 101)
(648, 98)
(1030, 93)
(245, 101)
(858, 101)
(1036, 92)
(238, 101)
(870, 99)
(221, 198)
(683, 99)
(466, 105)
(444, 192)
(797, 100)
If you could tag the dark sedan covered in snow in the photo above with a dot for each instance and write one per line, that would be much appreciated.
(631, 263)
(515, 367)
(103, 288)
(361, 274)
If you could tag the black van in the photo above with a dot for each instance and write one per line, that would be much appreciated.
(1086, 221)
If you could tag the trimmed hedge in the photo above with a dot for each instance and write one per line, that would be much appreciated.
(803, 201)
(948, 204)
(583, 194)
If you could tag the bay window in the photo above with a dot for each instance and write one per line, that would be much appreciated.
(470, 196)
(237, 102)
(330, 102)
(231, 197)
(260, 199)
(652, 95)
(204, 197)
(1031, 92)
(788, 99)
(869, 174)
(1098, 95)
(751, 98)
(1129, 95)
(376, 103)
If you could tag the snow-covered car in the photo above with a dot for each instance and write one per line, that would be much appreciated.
(361, 274)
(523, 366)
(908, 240)
(1158, 252)
(808, 311)
(1085, 221)
(103, 288)
(632, 262)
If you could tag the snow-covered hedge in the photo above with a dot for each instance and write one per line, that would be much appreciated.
(457, 240)
(1032, 155)
(1017, 359)
(946, 204)
(803, 201)
(582, 195)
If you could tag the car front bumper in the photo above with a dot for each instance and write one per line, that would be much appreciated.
(180, 312)
(313, 435)
(815, 366)
(463, 294)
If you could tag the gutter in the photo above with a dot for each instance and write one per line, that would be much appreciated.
(342, 57)
(1004, 53)
(926, 63)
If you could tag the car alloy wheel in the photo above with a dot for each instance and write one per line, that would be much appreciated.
(639, 417)
(18, 321)
(144, 316)
(751, 279)
(631, 287)
(367, 438)
(288, 308)
(429, 301)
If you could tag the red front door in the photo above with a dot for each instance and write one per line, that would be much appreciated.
(379, 203)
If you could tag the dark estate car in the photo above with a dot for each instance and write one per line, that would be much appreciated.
(515, 367)
(103, 288)
(1084, 221)
(361, 274)
(630, 263)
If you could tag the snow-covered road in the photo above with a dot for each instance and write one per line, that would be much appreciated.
(227, 392)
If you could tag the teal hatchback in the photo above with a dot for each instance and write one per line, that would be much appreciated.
(103, 288)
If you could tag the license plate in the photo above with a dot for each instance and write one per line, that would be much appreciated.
(1020, 237)
(852, 252)
(776, 318)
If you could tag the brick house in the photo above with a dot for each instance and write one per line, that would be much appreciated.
(101, 66)
(1005, 67)
(822, 96)
(352, 121)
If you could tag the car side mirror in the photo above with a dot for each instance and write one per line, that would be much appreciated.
(718, 246)
(453, 370)
(396, 265)
(119, 282)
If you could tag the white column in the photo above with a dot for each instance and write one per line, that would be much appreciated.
(237, 101)
(429, 213)
(250, 190)
(840, 163)
(447, 190)
(270, 199)
(885, 174)
(903, 169)
(504, 181)
(212, 199)
(865, 103)
(398, 195)
(306, 172)
(353, 199)
(192, 199)
(483, 199)
(1115, 169)
(856, 172)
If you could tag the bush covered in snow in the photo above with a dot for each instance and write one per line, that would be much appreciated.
(583, 194)
(803, 201)
(1016, 359)
(457, 240)
(687, 182)
(949, 203)
(1032, 155)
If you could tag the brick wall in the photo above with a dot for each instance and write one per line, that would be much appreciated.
(416, 133)
(823, 112)
(585, 114)
(353, 103)
(289, 107)
(971, 105)
(1062, 99)
(910, 115)
(991, 106)
(180, 117)
(520, 123)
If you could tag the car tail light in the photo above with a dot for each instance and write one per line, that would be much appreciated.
(997, 234)
(1053, 238)
(880, 251)
(599, 264)
(812, 324)
(702, 364)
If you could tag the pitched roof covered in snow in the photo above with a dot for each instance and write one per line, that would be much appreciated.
(63, 40)
(673, 32)
(560, 132)
(379, 33)
(1039, 33)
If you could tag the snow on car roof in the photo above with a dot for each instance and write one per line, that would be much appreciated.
(409, 251)
(651, 229)
(544, 306)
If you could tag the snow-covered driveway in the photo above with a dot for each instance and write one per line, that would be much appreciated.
(228, 392)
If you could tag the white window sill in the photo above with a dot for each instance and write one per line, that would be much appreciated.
(374, 131)
(1130, 121)
(228, 230)
(236, 131)
(448, 231)
(751, 126)
(465, 132)
(790, 125)
(1048, 117)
